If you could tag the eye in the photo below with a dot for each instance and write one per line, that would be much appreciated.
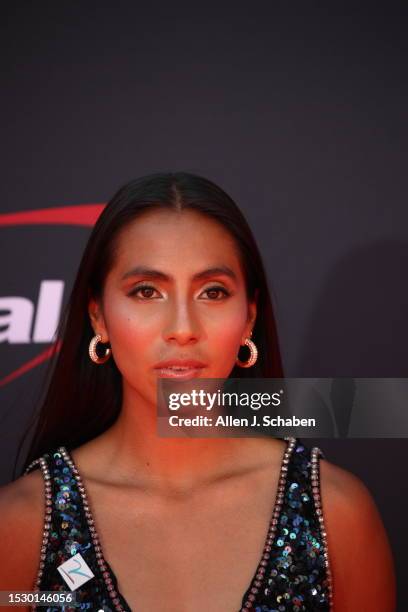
(146, 291)
(213, 291)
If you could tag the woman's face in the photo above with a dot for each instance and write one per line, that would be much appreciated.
(176, 294)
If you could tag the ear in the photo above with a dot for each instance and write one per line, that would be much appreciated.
(252, 310)
(97, 319)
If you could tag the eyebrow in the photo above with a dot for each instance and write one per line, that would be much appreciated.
(158, 275)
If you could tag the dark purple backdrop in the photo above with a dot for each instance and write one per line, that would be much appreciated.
(300, 114)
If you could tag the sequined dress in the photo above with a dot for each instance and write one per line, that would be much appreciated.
(293, 573)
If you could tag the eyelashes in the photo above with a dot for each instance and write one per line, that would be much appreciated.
(149, 289)
(224, 291)
(139, 288)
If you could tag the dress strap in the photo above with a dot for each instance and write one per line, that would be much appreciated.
(67, 532)
(43, 464)
(296, 573)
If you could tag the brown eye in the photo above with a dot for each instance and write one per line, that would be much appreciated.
(147, 292)
(144, 291)
(213, 293)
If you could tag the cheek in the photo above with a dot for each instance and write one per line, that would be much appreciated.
(132, 333)
(227, 334)
(224, 335)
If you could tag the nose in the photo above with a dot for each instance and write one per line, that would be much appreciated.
(182, 325)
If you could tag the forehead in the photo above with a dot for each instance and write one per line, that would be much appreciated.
(184, 239)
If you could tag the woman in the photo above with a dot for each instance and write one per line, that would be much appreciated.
(171, 285)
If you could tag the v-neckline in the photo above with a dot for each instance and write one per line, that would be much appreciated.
(109, 576)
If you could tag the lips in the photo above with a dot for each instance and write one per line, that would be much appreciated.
(180, 368)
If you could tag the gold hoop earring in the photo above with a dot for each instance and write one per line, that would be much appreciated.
(253, 356)
(92, 350)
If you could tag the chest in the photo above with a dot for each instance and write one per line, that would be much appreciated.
(186, 555)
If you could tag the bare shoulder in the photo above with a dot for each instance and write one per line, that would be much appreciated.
(359, 551)
(22, 513)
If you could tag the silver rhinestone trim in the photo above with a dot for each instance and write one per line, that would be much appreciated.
(47, 519)
(260, 572)
(315, 477)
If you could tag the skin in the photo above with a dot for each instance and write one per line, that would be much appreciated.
(187, 495)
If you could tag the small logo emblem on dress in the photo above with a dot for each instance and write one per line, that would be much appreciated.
(75, 571)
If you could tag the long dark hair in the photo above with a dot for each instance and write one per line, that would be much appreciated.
(83, 400)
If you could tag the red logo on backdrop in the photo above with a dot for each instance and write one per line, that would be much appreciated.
(84, 215)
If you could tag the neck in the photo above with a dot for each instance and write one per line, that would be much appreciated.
(135, 454)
